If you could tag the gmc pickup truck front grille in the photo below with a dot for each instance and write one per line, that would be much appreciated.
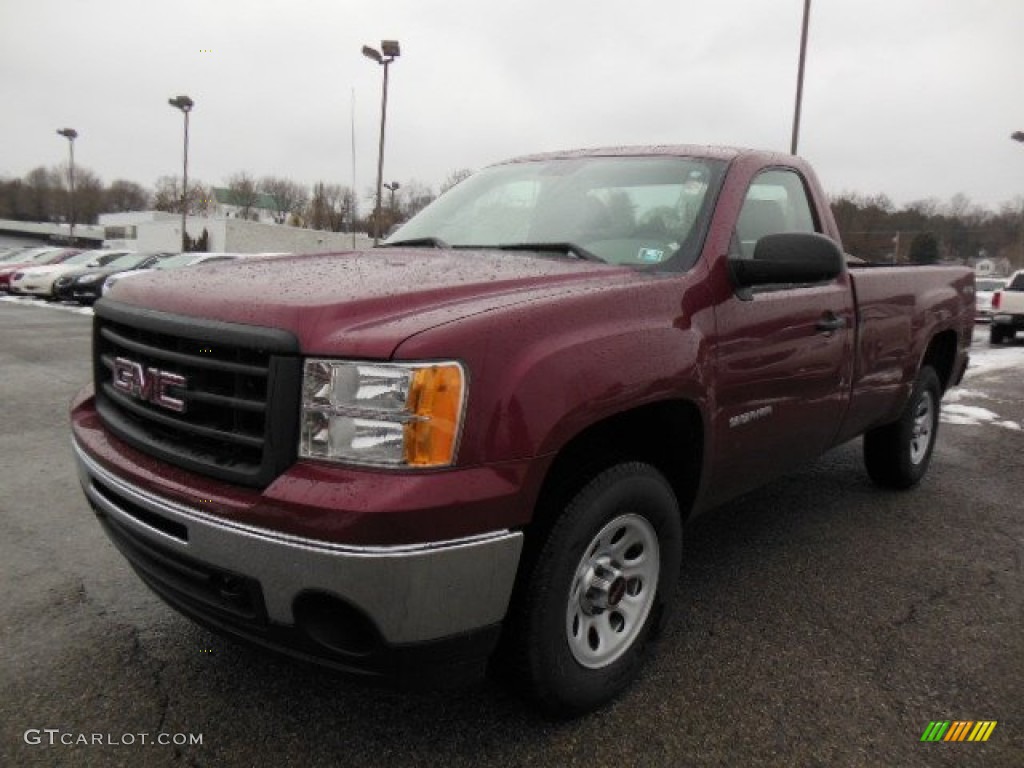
(211, 397)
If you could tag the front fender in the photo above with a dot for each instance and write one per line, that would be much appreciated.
(540, 373)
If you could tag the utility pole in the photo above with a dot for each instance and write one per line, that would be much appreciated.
(352, 196)
(800, 79)
(389, 51)
(185, 104)
(71, 134)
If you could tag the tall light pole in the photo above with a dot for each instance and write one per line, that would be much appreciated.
(1019, 136)
(71, 134)
(392, 188)
(352, 197)
(389, 51)
(185, 104)
(800, 79)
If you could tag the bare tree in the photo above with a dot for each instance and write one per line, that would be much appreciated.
(244, 193)
(89, 195)
(961, 230)
(289, 198)
(42, 196)
(348, 208)
(927, 207)
(1009, 224)
(866, 224)
(924, 248)
(332, 207)
(316, 212)
(11, 195)
(415, 197)
(122, 196)
(167, 196)
(454, 178)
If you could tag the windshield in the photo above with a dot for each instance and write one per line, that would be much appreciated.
(89, 257)
(990, 285)
(42, 256)
(128, 261)
(640, 211)
(174, 262)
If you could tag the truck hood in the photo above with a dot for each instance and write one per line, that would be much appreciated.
(362, 303)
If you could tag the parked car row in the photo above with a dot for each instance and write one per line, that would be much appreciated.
(172, 261)
(63, 274)
(31, 257)
(85, 284)
(39, 281)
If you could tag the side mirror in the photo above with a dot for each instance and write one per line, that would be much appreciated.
(794, 257)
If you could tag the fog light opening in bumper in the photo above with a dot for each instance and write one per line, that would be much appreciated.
(332, 623)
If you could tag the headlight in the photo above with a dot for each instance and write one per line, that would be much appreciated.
(89, 279)
(391, 414)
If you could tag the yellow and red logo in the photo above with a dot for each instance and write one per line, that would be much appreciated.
(959, 730)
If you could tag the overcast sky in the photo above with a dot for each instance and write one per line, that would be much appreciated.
(912, 98)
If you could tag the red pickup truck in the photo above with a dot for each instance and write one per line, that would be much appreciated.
(480, 443)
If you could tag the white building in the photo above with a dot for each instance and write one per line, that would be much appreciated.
(161, 231)
(993, 267)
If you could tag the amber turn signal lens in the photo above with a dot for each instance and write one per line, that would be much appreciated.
(435, 403)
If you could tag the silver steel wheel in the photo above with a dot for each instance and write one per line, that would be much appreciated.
(612, 591)
(924, 423)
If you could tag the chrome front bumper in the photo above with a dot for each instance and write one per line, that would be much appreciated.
(411, 593)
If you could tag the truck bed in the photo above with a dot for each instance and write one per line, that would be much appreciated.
(899, 308)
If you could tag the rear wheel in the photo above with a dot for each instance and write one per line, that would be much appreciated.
(597, 590)
(897, 455)
(996, 335)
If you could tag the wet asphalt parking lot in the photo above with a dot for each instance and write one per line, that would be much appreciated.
(820, 621)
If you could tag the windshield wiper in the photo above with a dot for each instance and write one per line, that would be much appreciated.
(416, 242)
(569, 249)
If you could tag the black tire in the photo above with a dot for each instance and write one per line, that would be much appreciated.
(996, 335)
(897, 455)
(596, 592)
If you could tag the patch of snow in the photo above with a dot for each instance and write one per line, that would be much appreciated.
(973, 416)
(971, 412)
(959, 393)
(986, 359)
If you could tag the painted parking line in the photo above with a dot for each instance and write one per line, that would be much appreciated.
(61, 306)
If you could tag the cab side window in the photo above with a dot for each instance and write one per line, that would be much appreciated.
(776, 202)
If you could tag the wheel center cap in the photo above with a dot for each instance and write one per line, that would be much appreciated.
(605, 589)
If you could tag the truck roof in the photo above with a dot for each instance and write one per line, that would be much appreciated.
(655, 150)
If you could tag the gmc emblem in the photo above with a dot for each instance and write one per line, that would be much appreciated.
(150, 384)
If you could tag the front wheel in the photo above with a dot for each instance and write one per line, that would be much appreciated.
(897, 455)
(598, 589)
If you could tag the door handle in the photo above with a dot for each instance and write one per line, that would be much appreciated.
(830, 322)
